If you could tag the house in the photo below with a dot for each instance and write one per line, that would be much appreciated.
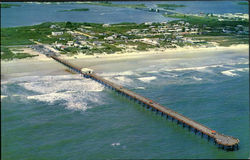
(56, 33)
(96, 43)
(163, 23)
(93, 37)
(70, 32)
(150, 41)
(110, 38)
(63, 39)
(106, 25)
(148, 23)
(70, 43)
(124, 37)
(101, 34)
(53, 26)
(83, 42)
(181, 22)
(179, 37)
(179, 30)
(166, 34)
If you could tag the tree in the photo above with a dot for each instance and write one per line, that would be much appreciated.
(68, 24)
(183, 29)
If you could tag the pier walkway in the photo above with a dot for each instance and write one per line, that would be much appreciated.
(222, 141)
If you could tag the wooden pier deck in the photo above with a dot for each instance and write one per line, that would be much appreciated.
(221, 140)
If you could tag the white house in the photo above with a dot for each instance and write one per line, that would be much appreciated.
(56, 33)
(148, 23)
(106, 25)
(110, 38)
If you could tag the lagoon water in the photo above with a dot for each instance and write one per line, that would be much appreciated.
(70, 117)
(36, 13)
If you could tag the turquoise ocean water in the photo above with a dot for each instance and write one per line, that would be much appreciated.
(70, 117)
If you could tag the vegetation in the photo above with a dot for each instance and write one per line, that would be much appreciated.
(226, 40)
(22, 35)
(170, 6)
(100, 42)
(77, 9)
(243, 3)
(7, 54)
(109, 4)
(4, 5)
(206, 20)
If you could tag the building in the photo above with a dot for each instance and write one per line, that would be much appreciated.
(87, 70)
(106, 25)
(70, 43)
(110, 38)
(56, 33)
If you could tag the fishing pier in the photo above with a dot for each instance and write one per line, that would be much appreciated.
(222, 141)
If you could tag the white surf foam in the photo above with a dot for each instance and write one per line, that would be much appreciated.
(111, 74)
(153, 72)
(197, 78)
(147, 79)
(193, 68)
(72, 90)
(231, 71)
(140, 88)
(123, 79)
(115, 144)
(3, 96)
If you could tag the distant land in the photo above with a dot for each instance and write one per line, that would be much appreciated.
(170, 6)
(109, 4)
(9, 5)
(72, 10)
(243, 3)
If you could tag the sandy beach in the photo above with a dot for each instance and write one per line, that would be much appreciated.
(42, 65)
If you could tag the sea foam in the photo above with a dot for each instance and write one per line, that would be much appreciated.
(193, 68)
(75, 92)
(231, 71)
(147, 79)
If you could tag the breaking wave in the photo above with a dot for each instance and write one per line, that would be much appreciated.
(197, 78)
(143, 88)
(71, 90)
(147, 79)
(193, 68)
(123, 79)
(231, 71)
(3, 96)
(111, 74)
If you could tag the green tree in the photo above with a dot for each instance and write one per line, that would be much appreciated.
(183, 29)
(68, 25)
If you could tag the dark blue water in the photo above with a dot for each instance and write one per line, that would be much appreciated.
(34, 13)
(69, 117)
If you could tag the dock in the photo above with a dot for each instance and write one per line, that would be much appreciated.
(222, 141)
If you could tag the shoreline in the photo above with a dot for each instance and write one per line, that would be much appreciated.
(42, 65)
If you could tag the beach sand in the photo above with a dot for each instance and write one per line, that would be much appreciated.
(42, 65)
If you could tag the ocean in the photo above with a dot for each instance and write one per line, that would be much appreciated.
(71, 117)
